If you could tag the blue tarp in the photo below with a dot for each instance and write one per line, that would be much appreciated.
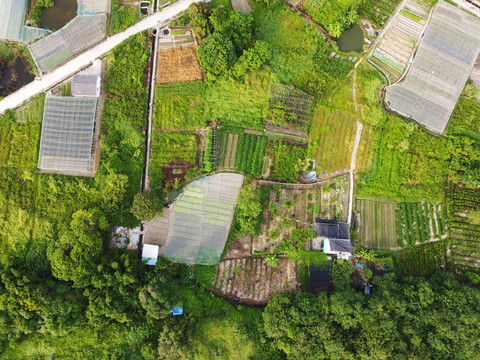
(361, 266)
(176, 311)
(150, 261)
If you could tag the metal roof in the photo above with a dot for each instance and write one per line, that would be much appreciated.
(86, 85)
(67, 134)
(93, 6)
(12, 18)
(440, 69)
(332, 230)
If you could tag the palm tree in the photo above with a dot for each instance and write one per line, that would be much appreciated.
(272, 260)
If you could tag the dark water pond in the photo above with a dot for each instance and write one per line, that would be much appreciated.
(351, 39)
(61, 13)
(13, 77)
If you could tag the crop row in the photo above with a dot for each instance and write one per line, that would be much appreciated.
(209, 163)
(251, 150)
(420, 222)
(422, 260)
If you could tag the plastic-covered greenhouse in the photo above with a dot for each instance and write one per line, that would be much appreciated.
(93, 6)
(30, 34)
(67, 134)
(201, 219)
(12, 17)
(444, 60)
(78, 35)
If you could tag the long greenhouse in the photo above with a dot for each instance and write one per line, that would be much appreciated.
(201, 219)
(12, 17)
(67, 138)
(78, 35)
(444, 60)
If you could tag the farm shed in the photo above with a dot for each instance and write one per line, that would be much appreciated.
(78, 35)
(342, 248)
(86, 85)
(320, 276)
(93, 6)
(66, 142)
(150, 253)
(201, 218)
(441, 66)
(332, 230)
(12, 16)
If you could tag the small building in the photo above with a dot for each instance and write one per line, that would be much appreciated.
(333, 239)
(320, 276)
(86, 85)
(150, 253)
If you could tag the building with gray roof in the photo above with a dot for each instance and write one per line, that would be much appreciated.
(444, 60)
(67, 139)
(86, 85)
(12, 18)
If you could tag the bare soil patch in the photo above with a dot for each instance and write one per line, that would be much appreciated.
(176, 170)
(252, 281)
(178, 64)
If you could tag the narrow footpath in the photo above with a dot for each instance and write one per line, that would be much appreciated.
(71, 67)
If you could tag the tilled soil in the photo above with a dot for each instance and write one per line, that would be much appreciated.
(178, 64)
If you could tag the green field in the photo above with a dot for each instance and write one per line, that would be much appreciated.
(378, 227)
(420, 222)
(250, 152)
(21, 135)
(179, 106)
(331, 139)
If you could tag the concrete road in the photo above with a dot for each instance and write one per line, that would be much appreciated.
(74, 65)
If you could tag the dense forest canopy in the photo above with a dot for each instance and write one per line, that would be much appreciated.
(66, 294)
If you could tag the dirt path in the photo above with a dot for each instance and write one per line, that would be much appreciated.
(234, 152)
(226, 161)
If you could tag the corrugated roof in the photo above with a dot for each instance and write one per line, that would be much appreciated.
(442, 64)
(12, 18)
(85, 85)
(332, 230)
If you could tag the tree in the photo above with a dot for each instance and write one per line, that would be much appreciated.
(72, 256)
(271, 260)
(340, 273)
(147, 205)
(216, 54)
(159, 296)
(248, 210)
(199, 13)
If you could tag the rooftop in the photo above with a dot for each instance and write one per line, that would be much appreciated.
(67, 134)
(201, 218)
(12, 16)
(444, 60)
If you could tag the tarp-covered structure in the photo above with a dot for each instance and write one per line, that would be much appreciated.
(66, 142)
(93, 6)
(12, 18)
(78, 35)
(444, 60)
(201, 218)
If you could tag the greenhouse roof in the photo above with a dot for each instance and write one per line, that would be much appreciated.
(67, 134)
(78, 35)
(12, 17)
(93, 6)
(201, 219)
(441, 66)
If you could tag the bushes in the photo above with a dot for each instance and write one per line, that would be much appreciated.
(123, 16)
(209, 164)
(250, 152)
(422, 260)
(288, 161)
(180, 106)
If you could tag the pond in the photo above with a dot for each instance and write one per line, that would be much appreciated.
(14, 77)
(351, 39)
(59, 15)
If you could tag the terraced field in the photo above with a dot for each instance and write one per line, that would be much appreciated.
(252, 281)
(378, 227)
(393, 52)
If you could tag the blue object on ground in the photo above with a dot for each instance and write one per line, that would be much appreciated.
(176, 311)
(361, 266)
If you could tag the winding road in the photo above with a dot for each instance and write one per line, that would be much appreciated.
(81, 61)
